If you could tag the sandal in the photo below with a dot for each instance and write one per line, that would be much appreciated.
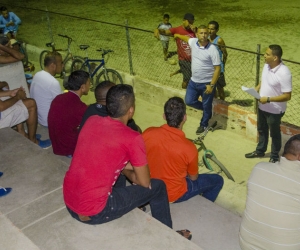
(181, 232)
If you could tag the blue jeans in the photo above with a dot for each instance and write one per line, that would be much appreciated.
(207, 185)
(124, 198)
(265, 122)
(193, 91)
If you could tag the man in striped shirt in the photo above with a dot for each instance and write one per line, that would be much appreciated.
(272, 216)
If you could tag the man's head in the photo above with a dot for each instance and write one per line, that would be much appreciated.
(4, 40)
(175, 112)
(166, 18)
(53, 62)
(188, 19)
(101, 91)
(213, 28)
(292, 148)
(79, 80)
(202, 34)
(273, 55)
(4, 11)
(120, 101)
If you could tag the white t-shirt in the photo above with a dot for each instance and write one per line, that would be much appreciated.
(275, 82)
(44, 88)
(203, 61)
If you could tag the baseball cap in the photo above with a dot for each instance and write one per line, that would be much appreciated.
(189, 17)
(13, 41)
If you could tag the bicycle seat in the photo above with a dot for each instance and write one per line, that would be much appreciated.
(84, 47)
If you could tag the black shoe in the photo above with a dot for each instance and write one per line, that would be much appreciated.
(200, 130)
(254, 154)
(272, 160)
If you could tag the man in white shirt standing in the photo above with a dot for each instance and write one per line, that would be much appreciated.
(275, 90)
(205, 73)
(44, 87)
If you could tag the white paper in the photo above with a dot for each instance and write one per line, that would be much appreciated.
(251, 91)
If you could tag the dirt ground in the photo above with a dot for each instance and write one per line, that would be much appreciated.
(243, 24)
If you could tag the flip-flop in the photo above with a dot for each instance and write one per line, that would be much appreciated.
(181, 232)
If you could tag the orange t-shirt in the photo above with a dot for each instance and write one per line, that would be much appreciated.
(171, 157)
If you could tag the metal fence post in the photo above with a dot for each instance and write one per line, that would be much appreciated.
(49, 25)
(257, 74)
(129, 48)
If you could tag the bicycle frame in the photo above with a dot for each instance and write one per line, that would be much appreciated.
(87, 63)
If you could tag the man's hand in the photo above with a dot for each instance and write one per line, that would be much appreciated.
(263, 99)
(21, 95)
(209, 89)
(156, 33)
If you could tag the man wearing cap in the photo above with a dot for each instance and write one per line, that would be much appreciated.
(205, 73)
(183, 48)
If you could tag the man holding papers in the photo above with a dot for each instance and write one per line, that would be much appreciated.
(275, 90)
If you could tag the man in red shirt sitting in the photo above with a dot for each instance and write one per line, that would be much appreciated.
(66, 112)
(174, 159)
(107, 152)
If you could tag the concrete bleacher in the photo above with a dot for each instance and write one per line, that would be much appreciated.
(33, 215)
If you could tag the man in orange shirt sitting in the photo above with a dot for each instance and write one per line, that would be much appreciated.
(174, 159)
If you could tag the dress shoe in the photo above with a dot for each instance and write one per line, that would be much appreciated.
(272, 160)
(254, 154)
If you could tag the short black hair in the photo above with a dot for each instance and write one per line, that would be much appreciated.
(3, 8)
(100, 93)
(174, 109)
(3, 40)
(276, 50)
(120, 98)
(166, 16)
(292, 146)
(51, 58)
(215, 23)
(76, 79)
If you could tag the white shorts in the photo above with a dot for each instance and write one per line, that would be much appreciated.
(14, 115)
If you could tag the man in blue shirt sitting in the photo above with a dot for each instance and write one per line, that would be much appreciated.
(9, 22)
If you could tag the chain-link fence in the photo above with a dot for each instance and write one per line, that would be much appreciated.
(137, 52)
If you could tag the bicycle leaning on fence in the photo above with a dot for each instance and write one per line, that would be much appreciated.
(90, 66)
(67, 60)
(209, 158)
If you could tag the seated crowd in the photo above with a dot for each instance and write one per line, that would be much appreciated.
(160, 164)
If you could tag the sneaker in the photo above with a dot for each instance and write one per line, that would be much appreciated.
(272, 160)
(38, 136)
(4, 191)
(254, 154)
(44, 144)
(200, 130)
(1, 174)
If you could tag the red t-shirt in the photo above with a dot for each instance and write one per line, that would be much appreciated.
(65, 115)
(103, 149)
(183, 48)
(171, 157)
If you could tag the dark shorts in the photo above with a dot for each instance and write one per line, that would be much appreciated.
(221, 83)
(186, 70)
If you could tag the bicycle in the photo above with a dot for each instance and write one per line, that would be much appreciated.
(67, 60)
(209, 158)
(90, 66)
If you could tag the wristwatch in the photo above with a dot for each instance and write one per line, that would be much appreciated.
(268, 99)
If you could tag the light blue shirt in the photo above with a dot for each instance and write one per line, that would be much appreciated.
(11, 17)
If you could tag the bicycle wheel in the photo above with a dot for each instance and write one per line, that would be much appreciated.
(68, 64)
(42, 57)
(77, 64)
(23, 51)
(211, 162)
(111, 75)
